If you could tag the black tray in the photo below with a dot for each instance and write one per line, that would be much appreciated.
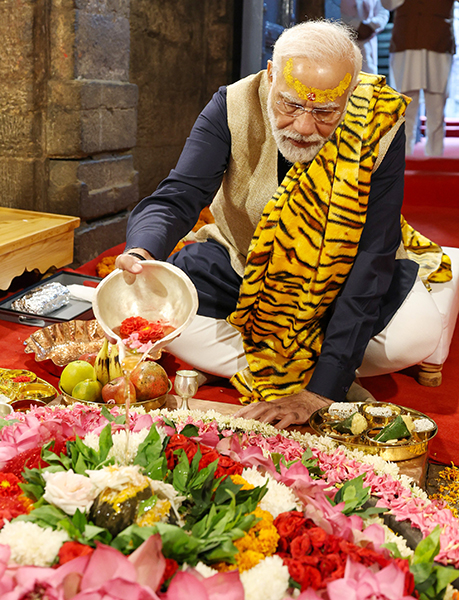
(80, 309)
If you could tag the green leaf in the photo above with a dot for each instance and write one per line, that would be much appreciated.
(45, 516)
(79, 520)
(107, 414)
(190, 430)
(430, 578)
(105, 442)
(180, 473)
(178, 544)
(150, 455)
(131, 538)
(311, 463)
(428, 548)
(169, 423)
(353, 494)
(92, 532)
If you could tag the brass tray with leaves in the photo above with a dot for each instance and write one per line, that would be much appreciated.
(395, 450)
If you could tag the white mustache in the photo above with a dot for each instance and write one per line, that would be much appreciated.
(297, 137)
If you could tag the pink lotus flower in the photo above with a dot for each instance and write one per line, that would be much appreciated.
(190, 584)
(361, 583)
(106, 574)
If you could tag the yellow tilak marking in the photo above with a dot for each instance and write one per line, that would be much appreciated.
(311, 93)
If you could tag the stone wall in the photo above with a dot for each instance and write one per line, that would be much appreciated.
(181, 52)
(97, 92)
(69, 119)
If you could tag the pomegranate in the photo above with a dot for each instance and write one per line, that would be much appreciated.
(116, 390)
(150, 380)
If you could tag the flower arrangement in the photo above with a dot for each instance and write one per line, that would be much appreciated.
(173, 504)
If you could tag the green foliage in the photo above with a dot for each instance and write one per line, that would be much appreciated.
(430, 578)
(150, 456)
(354, 495)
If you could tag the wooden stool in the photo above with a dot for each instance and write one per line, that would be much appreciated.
(446, 297)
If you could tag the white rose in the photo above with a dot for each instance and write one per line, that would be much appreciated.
(68, 491)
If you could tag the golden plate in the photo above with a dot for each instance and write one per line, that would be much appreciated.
(35, 389)
(151, 404)
(64, 342)
(406, 449)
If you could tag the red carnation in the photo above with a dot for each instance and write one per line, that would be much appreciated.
(300, 546)
(132, 324)
(151, 332)
(290, 524)
(169, 571)
(70, 550)
(179, 442)
(228, 466)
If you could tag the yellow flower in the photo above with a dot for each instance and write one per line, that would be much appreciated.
(239, 480)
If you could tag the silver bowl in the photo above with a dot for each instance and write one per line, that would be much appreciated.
(160, 292)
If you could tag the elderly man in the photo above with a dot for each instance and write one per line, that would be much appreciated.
(298, 278)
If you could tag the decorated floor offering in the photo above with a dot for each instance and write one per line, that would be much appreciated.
(97, 504)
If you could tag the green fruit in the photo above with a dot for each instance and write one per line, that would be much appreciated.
(89, 390)
(74, 372)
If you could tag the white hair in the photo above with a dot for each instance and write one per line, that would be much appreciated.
(323, 42)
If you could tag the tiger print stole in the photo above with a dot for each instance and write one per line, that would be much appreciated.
(304, 247)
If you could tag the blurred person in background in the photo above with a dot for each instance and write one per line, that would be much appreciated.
(367, 18)
(421, 56)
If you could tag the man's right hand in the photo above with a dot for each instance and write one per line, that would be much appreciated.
(130, 264)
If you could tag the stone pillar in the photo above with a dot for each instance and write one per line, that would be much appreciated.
(91, 120)
(68, 115)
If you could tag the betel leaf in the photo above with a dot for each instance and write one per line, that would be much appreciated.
(150, 455)
(131, 538)
(181, 472)
(178, 544)
(45, 516)
(34, 485)
(190, 430)
(105, 443)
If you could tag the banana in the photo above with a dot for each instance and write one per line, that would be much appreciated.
(114, 364)
(101, 364)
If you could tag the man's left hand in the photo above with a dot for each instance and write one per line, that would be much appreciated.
(286, 411)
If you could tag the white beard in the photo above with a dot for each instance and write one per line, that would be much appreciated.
(287, 149)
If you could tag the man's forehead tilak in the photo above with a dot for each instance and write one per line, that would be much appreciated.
(311, 93)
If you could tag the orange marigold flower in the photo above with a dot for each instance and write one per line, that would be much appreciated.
(239, 480)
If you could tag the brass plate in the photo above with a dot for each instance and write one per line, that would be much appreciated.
(35, 389)
(64, 342)
(152, 404)
(406, 449)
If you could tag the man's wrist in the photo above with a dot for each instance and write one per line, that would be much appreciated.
(139, 253)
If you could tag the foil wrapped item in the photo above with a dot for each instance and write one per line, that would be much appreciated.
(43, 299)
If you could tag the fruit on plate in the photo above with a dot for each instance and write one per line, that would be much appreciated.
(115, 390)
(150, 380)
(74, 372)
(89, 390)
(89, 357)
(107, 364)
